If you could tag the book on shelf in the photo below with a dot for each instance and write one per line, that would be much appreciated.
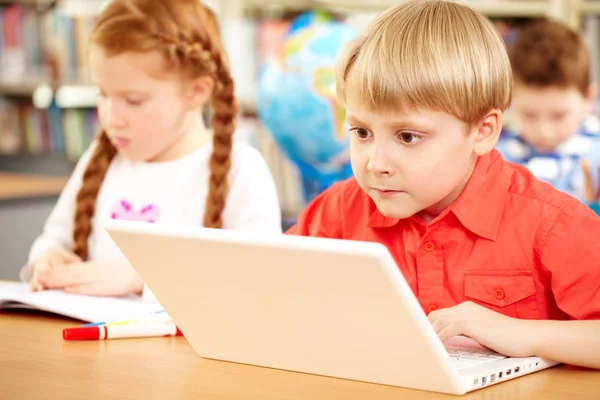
(38, 49)
(53, 41)
(26, 129)
(20, 44)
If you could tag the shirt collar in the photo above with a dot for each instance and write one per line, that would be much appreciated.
(480, 205)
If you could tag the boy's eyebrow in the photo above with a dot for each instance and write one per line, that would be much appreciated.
(353, 120)
(394, 123)
(406, 122)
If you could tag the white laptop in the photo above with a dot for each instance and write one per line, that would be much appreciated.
(321, 306)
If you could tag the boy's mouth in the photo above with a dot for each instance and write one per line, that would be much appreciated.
(388, 192)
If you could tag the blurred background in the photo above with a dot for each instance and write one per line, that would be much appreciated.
(282, 54)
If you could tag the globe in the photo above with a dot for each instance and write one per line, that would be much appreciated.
(308, 18)
(298, 105)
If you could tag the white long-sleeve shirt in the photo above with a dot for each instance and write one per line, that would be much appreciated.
(172, 193)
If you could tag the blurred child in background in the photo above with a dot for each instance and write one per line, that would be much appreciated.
(553, 100)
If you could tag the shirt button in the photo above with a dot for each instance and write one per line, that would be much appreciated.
(499, 293)
(433, 307)
(429, 246)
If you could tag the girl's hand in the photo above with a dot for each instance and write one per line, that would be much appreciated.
(54, 258)
(94, 278)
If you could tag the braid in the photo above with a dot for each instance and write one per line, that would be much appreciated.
(212, 61)
(225, 110)
(85, 205)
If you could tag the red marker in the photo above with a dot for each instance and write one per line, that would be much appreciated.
(103, 332)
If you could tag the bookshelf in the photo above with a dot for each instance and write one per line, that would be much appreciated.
(20, 87)
(17, 186)
(76, 95)
(68, 96)
(45, 108)
(570, 12)
(43, 4)
(492, 8)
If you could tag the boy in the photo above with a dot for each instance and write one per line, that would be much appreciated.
(490, 252)
(553, 99)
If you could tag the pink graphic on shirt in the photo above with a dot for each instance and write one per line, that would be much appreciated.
(124, 210)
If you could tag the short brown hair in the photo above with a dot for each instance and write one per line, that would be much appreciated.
(548, 53)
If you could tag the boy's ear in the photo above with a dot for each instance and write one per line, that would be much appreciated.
(487, 132)
(198, 91)
(592, 93)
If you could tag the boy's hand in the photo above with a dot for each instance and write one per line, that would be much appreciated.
(505, 335)
(94, 278)
(50, 259)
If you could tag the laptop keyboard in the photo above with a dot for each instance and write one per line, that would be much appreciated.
(464, 357)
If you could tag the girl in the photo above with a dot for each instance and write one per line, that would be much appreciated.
(157, 64)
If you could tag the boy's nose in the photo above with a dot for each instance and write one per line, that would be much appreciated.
(545, 131)
(379, 162)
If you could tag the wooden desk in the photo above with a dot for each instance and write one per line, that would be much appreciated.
(24, 186)
(35, 363)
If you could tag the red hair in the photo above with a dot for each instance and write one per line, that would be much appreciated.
(186, 32)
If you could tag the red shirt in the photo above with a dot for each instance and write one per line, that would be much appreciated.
(509, 242)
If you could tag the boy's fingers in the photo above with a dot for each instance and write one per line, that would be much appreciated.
(449, 331)
(432, 315)
(436, 315)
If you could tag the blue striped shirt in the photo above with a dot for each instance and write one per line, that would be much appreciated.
(560, 168)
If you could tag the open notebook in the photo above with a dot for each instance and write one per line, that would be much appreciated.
(84, 308)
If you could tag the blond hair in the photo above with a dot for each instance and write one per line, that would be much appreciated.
(437, 55)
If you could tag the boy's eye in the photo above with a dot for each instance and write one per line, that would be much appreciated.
(134, 102)
(409, 138)
(361, 133)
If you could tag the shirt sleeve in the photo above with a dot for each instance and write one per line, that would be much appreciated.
(58, 227)
(570, 254)
(321, 218)
(252, 202)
